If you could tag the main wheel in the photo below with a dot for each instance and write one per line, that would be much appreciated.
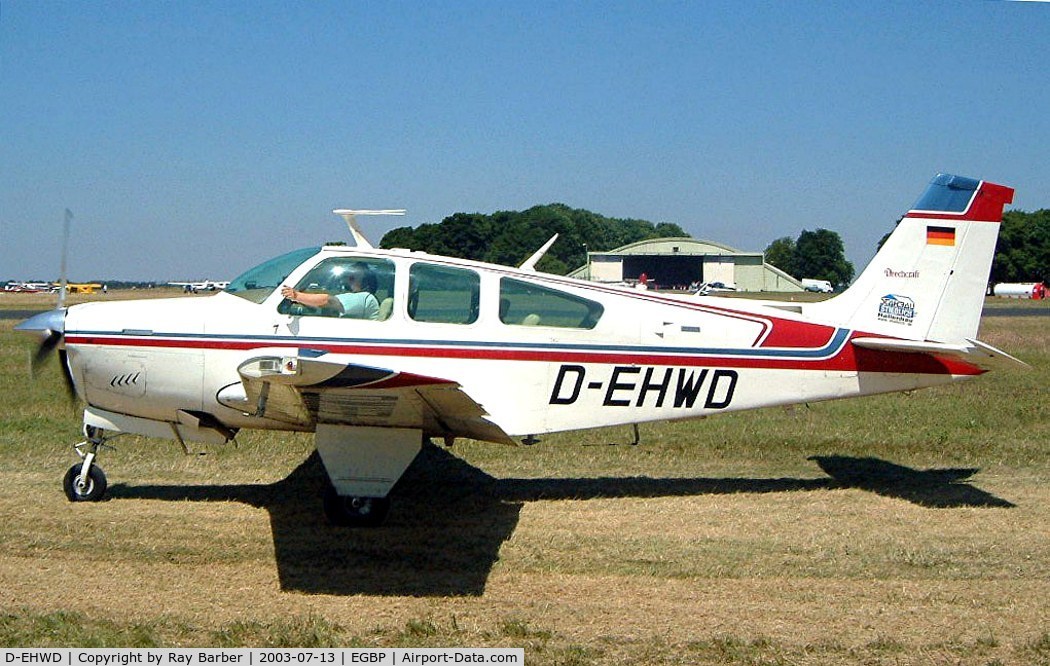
(355, 511)
(92, 490)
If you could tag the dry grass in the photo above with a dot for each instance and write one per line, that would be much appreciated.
(713, 542)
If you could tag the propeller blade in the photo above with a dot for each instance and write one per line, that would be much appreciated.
(67, 376)
(47, 345)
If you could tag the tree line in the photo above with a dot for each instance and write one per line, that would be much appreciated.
(1023, 251)
(511, 237)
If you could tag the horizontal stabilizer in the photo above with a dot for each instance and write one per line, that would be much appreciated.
(974, 351)
(917, 346)
(992, 355)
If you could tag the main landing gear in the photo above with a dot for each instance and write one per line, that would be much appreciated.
(363, 464)
(85, 481)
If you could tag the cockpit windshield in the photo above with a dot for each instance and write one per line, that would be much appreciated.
(256, 284)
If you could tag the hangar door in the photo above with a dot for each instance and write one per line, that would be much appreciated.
(668, 271)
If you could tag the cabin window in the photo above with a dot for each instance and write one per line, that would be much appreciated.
(526, 304)
(356, 287)
(443, 295)
(257, 283)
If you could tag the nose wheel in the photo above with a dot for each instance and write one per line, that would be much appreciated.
(81, 487)
(85, 481)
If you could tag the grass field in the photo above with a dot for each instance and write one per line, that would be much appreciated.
(903, 529)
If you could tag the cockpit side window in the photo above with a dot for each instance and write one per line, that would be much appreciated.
(356, 288)
(443, 295)
(526, 304)
(257, 283)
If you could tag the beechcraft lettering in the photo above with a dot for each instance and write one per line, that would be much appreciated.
(635, 386)
(907, 275)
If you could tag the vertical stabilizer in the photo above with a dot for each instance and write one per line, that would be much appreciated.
(928, 280)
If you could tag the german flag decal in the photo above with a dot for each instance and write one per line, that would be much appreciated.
(940, 235)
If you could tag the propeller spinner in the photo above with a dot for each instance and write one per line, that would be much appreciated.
(49, 327)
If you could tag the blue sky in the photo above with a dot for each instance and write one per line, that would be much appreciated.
(194, 139)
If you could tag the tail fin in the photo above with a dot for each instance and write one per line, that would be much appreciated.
(928, 280)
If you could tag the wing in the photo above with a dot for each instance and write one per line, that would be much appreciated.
(318, 387)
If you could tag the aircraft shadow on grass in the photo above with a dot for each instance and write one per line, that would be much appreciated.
(933, 488)
(449, 519)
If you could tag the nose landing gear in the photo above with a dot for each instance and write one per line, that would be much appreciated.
(85, 481)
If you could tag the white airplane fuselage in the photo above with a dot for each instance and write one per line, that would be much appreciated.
(375, 349)
(649, 357)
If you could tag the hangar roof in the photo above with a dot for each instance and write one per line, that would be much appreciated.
(681, 246)
(681, 260)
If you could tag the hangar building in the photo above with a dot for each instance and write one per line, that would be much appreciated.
(678, 262)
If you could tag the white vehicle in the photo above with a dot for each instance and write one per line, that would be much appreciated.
(820, 286)
(456, 348)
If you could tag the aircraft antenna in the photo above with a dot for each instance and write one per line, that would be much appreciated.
(355, 228)
(530, 263)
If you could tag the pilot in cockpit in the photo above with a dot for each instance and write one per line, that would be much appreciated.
(355, 298)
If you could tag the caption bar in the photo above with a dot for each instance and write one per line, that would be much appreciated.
(258, 657)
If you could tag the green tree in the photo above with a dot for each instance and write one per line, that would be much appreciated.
(1022, 253)
(669, 230)
(821, 255)
(462, 235)
(403, 237)
(510, 237)
(781, 253)
(886, 236)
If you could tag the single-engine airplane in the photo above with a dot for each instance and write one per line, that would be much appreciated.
(204, 285)
(374, 350)
(27, 287)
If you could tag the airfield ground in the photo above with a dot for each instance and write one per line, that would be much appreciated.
(902, 529)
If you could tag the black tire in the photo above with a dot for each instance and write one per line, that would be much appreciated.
(355, 511)
(94, 490)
